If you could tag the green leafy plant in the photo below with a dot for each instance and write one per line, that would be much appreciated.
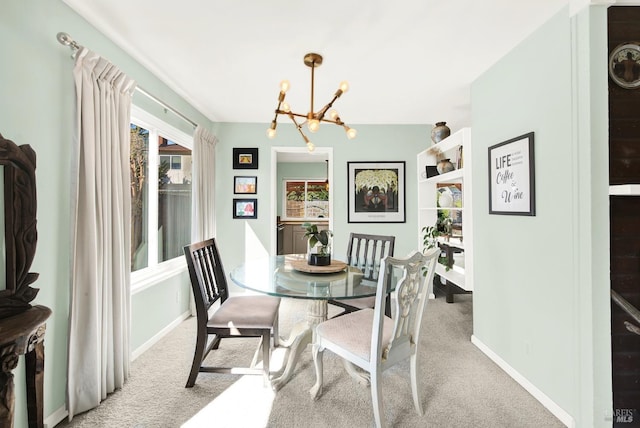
(316, 236)
(430, 235)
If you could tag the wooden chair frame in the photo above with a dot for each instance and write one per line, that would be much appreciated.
(250, 316)
(366, 251)
(391, 340)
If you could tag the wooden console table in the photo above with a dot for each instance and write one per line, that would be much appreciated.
(23, 334)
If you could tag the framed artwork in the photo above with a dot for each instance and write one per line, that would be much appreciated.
(512, 177)
(245, 184)
(245, 208)
(245, 158)
(376, 192)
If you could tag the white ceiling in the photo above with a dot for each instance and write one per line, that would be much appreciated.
(407, 61)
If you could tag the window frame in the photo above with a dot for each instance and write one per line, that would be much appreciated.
(156, 271)
(306, 181)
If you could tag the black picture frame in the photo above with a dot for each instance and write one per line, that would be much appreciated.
(245, 184)
(376, 192)
(512, 177)
(245, 158)
(245, 208)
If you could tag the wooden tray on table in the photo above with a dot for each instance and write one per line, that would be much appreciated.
(303, 266)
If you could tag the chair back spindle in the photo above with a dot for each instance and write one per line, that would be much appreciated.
(208, 279)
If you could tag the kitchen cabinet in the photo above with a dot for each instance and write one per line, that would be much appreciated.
(293, 238)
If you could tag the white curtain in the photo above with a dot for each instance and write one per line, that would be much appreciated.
(99, 349)
(203, 220)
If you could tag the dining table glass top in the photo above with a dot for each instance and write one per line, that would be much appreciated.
(278, 276)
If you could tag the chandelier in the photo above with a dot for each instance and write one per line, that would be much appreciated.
(312, 119)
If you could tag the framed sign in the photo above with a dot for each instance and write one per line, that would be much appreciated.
(512, 177)
(376, 192)
(245, 208)
(245, 185)
(245, 158)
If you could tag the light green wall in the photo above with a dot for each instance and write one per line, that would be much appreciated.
(541, 282)
(36, 108)
(241, 238)
(297, 171)
(171, 300)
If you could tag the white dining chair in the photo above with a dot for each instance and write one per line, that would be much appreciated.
(374, 342)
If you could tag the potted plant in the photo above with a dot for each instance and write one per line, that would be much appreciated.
(318, 245)
(430, 235)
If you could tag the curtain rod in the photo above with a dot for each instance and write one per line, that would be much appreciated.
(66, 40)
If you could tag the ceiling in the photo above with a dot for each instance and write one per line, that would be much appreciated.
(407, 61)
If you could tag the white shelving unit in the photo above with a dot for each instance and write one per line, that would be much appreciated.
(461, 273)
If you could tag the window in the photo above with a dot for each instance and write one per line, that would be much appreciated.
(305, 199)
(161, 207)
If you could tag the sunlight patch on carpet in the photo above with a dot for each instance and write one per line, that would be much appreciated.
(247, 403)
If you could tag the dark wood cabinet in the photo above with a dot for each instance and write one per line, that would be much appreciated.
(624, 181)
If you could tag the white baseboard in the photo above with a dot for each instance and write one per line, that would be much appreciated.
(149, 343)
(56, 417)
(547, 402)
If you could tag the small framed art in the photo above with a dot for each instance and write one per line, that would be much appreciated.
(245, 158)
(512, 177)
(245, 185)
(245, 208)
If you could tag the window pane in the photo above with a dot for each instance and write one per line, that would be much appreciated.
(139, 196)
(174, 201)
(176, 162)
(317, 199)
(295, 194)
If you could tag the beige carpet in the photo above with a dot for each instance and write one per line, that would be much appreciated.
(460, 386)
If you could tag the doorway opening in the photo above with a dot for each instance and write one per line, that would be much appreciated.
(289, 163)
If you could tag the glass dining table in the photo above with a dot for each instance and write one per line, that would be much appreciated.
(290, 276)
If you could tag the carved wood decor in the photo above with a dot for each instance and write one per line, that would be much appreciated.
(20, 226)
(22, 326)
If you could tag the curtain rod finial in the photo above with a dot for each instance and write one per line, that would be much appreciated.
(64, 38)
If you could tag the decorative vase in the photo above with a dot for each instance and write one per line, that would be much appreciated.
(440, 132)
(445, 200)
(319, 259)
(319, 255)
(444, 166)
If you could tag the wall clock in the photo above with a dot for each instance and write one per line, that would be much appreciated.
(624, 65)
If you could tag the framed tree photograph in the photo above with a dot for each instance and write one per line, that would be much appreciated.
(376, 192)
(512, 177)
(245, 185)
(245, 158)
(245, 208)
